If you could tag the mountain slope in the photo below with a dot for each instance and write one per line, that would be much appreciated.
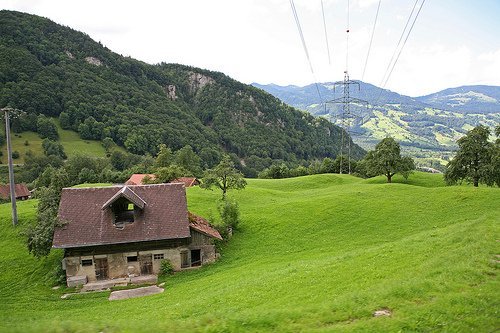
(306, 258)
(466, 99)
(427, 126)
(59, 72)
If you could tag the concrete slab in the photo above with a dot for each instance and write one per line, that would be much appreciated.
(74, 281)
(133, 293)
(99, 285)
(144, 279)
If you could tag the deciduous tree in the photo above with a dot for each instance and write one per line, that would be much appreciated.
(224, 176)
(474, 160)
(386, 160)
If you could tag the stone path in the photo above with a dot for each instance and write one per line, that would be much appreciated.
(132, 293)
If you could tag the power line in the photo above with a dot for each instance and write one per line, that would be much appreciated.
(371, 40)
(404, 43)
(385, 78)
(304, 45)
(347, 40)
(326, 34)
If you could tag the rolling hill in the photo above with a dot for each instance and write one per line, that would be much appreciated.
(428, 126)
(51, 70)
(312, 254)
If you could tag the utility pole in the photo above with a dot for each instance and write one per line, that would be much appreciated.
(346, 116)
(11, 166)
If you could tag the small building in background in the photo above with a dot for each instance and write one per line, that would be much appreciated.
(21, 190)
(187, 181)
(138, 178)
(126, 231)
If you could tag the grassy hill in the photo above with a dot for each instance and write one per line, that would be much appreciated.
(71, 141)
(317, 254)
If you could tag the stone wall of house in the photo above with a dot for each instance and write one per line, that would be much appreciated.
(120, 267)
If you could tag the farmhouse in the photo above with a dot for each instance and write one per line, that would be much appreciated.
(126, 231)
(137, 178)
(21, 190)
(187, 181)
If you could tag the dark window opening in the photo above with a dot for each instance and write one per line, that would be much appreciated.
(195, 257)
(124, 212)
(132, 259)
(159, 256)
(87, 262)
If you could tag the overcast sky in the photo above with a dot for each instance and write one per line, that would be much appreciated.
(453, 42)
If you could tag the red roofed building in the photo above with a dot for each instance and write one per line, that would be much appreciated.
(123, 231)
(21, 190)
(137, 178)
(187, 181)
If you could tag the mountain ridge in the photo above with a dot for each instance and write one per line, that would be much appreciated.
(54, 70)
(428, 126)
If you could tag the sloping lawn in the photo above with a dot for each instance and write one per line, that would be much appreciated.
(316, 254)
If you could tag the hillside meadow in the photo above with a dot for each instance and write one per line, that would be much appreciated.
(71, 141)
(313, 254)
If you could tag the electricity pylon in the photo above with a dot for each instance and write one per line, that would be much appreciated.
(346, 116)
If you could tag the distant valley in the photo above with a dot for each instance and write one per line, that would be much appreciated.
(427, 126)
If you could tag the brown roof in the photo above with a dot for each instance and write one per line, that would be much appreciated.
(187, 181)
(21, 190)
(200, 224)
(86, 224)
(136, 178)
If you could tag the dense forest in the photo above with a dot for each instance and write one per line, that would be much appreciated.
(51, 71)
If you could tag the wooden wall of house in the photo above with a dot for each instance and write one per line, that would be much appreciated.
(121, 248)
(197, 238)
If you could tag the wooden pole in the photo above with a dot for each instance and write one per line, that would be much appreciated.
(11, 167)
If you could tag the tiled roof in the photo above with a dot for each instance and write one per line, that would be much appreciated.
(136, 178)
(187, 181)
(200, 224)
(20, 189)
(86, 224)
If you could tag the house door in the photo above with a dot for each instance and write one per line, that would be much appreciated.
(184, 259)
(195, 257)
(101, 268)
(146, 262)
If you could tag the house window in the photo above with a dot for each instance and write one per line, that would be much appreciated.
(158, 256)
(87, 262)
(132, 259)
(123, 212)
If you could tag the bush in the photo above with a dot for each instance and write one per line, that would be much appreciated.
(230, 213)
(15, 154)
(166, 267)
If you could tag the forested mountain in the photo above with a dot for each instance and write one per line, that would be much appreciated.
(48, 70)
(426, 126)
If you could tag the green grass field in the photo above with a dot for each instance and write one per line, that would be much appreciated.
(313, 254)
(70, 140)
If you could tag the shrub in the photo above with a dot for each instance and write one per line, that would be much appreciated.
(166, 267)
(15, 154)
(230, 213)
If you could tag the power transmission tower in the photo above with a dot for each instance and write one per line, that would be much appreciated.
(346, 116)
(11, 167)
